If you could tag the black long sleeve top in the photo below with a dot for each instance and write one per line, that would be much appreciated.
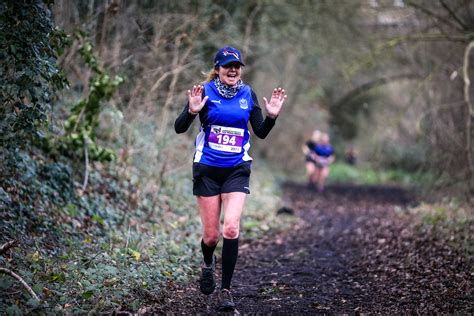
(261, 127)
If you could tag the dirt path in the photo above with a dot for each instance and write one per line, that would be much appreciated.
(355, 249)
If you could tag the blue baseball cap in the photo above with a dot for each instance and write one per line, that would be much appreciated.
(227, 55)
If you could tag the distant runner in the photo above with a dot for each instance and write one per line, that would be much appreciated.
(310, 158)
(319, 156)
(222, 165)
(351, 155)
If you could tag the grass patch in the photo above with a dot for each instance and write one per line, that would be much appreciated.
(343, 173)
(449, 219)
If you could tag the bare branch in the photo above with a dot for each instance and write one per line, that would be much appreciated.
(370, 85)
(19, 278)
(86, 165)
(390, 43)
(470, 115)
(435, 37)
(453, 15)
(433, 15)
(8, 245)
(162, 78)
(248, 29)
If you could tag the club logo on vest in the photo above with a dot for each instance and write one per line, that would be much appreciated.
(243, 104)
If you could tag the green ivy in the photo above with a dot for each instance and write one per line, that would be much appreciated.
(28, 72)
(29, 77)
(81, 126)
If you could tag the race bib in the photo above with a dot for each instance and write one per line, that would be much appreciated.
(229, 139)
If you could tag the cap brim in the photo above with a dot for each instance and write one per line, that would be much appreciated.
(231, 61)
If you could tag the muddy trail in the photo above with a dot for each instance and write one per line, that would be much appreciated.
(354, 249)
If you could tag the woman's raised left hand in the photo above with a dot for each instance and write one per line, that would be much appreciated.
(276, 102)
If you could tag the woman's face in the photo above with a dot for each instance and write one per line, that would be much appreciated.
(325, 139)
(230, 73)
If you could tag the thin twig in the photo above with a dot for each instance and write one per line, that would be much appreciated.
(86, 263)
(390, 42)
(86, 167)
(440, 18)
(178, 62)
(163, 77)
(470, 107)
(161, 175)
(453, 15)
(128, 237)
(248, 28)
(8, 245)
(370, 85)
(79, 117)
(19, 278)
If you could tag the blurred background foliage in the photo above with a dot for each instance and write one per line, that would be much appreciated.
(95, 176)
(383, 76)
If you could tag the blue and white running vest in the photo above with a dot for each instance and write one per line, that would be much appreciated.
(224, 140)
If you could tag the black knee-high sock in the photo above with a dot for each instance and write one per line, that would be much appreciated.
(207, 252)
(230, 250)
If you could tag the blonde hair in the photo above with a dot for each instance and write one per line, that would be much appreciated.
(316, 136)
(211, 75)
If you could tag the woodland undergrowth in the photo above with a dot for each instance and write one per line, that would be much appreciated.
(109, 248)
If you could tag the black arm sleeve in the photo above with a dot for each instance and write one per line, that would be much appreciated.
(260, 127)
(183, 121)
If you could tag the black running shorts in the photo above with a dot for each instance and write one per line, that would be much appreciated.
(210, 181)
(308, 158)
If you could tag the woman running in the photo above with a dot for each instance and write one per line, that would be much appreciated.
(311, 157)
(222, 165)
(324, 158)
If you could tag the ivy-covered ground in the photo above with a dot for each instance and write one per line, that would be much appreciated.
(109, 247)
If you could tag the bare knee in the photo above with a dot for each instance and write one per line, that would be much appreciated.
(231, 231)
(325, 172)
(211, 238)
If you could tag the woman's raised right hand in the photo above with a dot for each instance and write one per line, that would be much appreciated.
(195, 100)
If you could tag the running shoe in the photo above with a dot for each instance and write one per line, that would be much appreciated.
(226, 303)
(207, 284)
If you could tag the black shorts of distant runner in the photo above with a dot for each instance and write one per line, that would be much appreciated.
(210, 180)
(308, 158)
